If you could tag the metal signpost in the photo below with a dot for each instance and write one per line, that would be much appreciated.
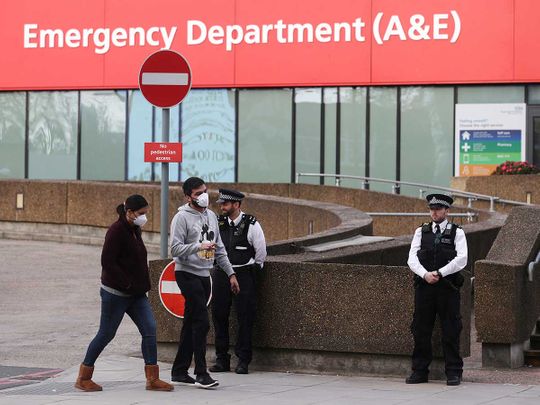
(164, 81)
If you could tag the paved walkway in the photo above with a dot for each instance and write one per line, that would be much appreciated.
(123, 383)
(49, 312)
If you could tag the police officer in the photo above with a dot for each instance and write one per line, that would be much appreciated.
(244, 240)
(438, 253)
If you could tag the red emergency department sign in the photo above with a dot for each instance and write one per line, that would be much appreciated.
(162, 152)
(169, 293)
(165, 78)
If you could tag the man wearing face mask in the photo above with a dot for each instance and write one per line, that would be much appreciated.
(195, 244)
(438, 253)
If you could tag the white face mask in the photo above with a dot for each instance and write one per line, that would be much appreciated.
(202, 201)
(140, 220)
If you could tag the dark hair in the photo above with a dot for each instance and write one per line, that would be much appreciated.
(190, 184)
(133, 202)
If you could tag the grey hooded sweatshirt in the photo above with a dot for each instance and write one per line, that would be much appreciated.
(189, 228)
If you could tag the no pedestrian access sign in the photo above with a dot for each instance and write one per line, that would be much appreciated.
(162, 152)
(165, 78)
(169, 293)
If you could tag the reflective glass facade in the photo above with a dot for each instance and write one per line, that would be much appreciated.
(246, 135)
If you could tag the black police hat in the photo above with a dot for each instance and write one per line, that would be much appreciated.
(229, 195)
(439, 200)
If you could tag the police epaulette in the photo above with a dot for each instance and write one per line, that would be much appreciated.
(426, 227)
(250, 218)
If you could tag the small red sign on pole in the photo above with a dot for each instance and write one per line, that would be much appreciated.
(162, 152)
(165, 78)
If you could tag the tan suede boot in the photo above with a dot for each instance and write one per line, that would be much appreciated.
(153, 382)
(84, 380)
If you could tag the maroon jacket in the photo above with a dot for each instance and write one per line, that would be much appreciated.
(123, 259)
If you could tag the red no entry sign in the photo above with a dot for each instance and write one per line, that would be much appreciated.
(169, 293)
(165, 78)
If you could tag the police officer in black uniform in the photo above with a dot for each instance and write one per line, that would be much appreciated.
(438, 253)
(244, 240)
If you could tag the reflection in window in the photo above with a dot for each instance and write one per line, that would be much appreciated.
(52, 135)
(12, 127)
(102, 134)
(491, 94)
(353, 134)
(330, 133)
(208, 140)
(382, 137)
(264, 136)
(427, 115)
(308, 133)
(140, 131)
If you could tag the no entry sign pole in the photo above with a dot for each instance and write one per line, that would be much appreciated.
(164, 218)
(164, 80)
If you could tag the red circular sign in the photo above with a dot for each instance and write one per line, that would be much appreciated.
(169, 293)
(165, 78)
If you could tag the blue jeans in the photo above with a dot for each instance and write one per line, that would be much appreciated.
(113, 308)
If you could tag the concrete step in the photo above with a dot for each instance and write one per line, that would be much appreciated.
(535, 341)
(532, 358)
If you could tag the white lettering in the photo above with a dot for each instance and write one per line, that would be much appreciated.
(100, 39)
(439, 26)
(394, 28)
(136, 32)
(168, 37)
(190, 38)
(232, 38)
(215, 34)
(28, 35)
(323, 32)
(150, 36)
(73, 38)
(300, 28)
(51, 34)
(253, 34)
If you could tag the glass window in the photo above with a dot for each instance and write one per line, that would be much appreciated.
(12, 134)
(491, 94)
(174, 136)
(308, 133)
(382, 136)
(353, 134)
(140, 131)
(52, 135)
(208, 135)
(330, 120)
(427, 115)
(265, 136)
(103, 125)
(534, 94)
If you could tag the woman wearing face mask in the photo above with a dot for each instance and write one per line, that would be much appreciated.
(124, 283)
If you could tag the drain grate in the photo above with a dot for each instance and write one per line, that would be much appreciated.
(58, 388)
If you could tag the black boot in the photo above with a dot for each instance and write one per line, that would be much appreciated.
(222, 365)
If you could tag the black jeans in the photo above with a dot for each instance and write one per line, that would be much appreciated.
(431, 300)
(192, 344)
(245, 305)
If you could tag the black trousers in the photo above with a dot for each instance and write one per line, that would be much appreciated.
(245, 305)
(192, 344)
(431, 300)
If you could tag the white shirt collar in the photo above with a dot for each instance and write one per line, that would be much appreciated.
(238, 219)
(442, 225)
